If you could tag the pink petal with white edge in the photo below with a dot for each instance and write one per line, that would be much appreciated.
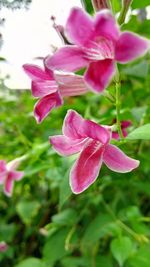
(42, 88)
(8, 186)
(76, 127)
(79, 26)
(99, 74)
(37, 73)
(130, 46)
(66, 146)
(45, 105)
(106, 26)
(86, 169)
(117, 161)
(68, 58)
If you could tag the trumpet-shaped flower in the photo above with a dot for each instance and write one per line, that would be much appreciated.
(92, 141)
(51, 88)
(99, 43)
(8, 175)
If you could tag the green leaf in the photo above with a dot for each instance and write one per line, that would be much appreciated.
(65, 191)
(87, 4)
(54, 248)
(136, 4)
(139, 70)
(142, 133)
(27, 210)
(121, 248)
(141, 258)
(67, 217)
(31, 262)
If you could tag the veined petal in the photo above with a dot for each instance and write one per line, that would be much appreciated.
(130, 46)
(45, 105)
(106, 26)
(8, 186)
(37, 73)
(79, 26)
(68, 58)
(71, 85)
(43, 87)
(99, 74)
(86, 169)
(76, 127)
(66, 146)
(117, 161)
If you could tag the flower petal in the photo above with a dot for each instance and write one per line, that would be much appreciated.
(130, 46)
(66, 146)
(106, 26)
(8, 186)
(16, 175)
(68, 58)
(99, 74)
(3, 246)
(71, 85)
(42, 88)
(3, 171)
(37, 73)
(45, 105)
(79, 26)
(86, 169)
(117, 161)
(76, 127)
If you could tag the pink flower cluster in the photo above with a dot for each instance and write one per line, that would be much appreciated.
(96, 44)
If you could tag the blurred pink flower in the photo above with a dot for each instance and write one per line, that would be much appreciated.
(51, 88)
(124, 126)
(98, 45)
(3, 246)
(93, 143)
(8, 175)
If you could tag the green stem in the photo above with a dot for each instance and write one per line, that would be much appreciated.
(118, 86)
(125, 7)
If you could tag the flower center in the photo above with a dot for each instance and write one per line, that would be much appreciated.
(100, 48)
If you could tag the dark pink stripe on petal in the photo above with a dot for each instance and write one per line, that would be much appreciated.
(86, 169)
(8, 185)
(68, 58)
(130, 46)
(79, 26)
(99, 74)
(117, 161)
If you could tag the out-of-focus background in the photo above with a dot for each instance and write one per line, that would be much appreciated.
(43, 223)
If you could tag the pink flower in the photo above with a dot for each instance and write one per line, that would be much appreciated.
(124, 126)
(3, 246)
(93, 143)
(8, 175)
(51, 88)
(98, 45)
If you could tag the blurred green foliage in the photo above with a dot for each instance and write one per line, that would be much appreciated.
(108, 225)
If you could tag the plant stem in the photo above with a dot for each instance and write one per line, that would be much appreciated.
(125, 7)
(118, 86)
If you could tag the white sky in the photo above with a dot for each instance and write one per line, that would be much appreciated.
(28, 34)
